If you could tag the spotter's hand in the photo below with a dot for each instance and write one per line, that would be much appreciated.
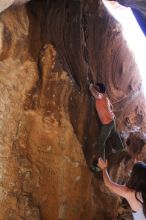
(102, 164)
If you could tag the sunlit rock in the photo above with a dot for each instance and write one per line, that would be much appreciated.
(48, 123)
(4, 4)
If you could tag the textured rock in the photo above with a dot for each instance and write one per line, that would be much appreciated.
(59, 167)
(17, 75)
(49, 52)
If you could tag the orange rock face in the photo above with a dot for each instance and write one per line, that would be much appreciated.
(49, 52)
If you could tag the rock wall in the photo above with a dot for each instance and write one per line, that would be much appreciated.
(49, 52)
(4, 4)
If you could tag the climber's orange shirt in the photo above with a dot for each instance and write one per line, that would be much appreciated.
(104, 109)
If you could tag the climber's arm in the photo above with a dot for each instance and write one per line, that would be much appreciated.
(120, 190)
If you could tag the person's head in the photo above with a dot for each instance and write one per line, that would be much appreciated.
(137, 182)
(100, 87)
(137, 179)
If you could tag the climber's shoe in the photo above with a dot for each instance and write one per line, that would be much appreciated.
(95, 169)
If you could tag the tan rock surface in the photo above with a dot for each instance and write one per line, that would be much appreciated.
(48, 124)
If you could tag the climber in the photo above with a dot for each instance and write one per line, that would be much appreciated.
(108, 127)
(134, 191)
